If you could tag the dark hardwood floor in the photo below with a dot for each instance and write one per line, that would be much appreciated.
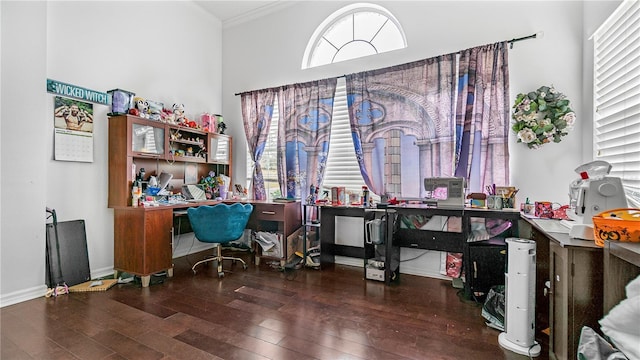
(260, 313)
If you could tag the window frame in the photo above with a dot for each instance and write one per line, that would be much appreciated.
(337, 16)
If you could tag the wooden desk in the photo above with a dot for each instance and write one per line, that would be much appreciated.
(621, 265)
(573, 267)
(142, 235)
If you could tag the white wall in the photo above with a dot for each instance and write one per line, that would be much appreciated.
(22, 151)
(268, 52)
(164, 51)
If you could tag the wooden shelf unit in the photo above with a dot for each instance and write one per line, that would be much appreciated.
(156, 147)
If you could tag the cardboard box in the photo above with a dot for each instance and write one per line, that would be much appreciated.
(373, 273)
(294, 242)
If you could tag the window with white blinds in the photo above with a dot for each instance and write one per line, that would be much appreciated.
(617, 96)
(342, 166)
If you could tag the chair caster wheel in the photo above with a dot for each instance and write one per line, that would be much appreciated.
(194, 271)
(220, 275)
(244, 266)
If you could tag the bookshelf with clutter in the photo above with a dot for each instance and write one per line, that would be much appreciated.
(158, 152)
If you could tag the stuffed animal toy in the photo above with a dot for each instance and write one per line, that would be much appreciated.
(143, 107)
(221, 127)
(167, 116)
(155, 110)
(178, 113)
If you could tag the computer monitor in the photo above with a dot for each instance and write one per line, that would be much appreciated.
(164, 179)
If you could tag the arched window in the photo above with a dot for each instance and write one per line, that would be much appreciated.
(354, 31)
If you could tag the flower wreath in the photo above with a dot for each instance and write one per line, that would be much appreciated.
(542, 116)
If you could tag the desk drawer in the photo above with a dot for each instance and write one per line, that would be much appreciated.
(269, 212)
(431, 240)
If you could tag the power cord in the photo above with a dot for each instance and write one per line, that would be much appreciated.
(529, 350)
(416, 257)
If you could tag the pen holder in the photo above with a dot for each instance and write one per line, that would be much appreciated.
(494, 202)
(508, 202)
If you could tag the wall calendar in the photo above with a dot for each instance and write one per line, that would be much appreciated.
(73, 122)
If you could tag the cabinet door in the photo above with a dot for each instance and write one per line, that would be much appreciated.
(147, 139)
(219, 149)
(559, 302)
(157, 239)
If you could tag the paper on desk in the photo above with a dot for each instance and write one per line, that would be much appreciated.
(266, 240)
(551, 225)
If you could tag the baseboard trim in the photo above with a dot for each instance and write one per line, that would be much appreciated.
(404, 269)
(23, 295)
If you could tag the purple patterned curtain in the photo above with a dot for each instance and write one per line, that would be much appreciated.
(303, 135)
(402, 124)
(482, 116)
(257, 109)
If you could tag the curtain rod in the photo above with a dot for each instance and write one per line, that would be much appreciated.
(524, 38)
(533, 36)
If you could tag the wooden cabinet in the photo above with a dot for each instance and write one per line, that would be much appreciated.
(187, 153)
(574, 270)
(576, 296)
(142, 241)
(283, 218)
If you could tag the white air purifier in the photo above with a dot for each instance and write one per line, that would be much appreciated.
(520, 300)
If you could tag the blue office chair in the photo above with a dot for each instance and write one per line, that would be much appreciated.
(220, 223)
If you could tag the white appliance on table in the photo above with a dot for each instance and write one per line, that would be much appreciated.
(591, 194)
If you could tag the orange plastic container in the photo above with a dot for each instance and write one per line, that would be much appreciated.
(617, 225)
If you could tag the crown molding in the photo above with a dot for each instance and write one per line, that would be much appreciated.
(258, 13)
